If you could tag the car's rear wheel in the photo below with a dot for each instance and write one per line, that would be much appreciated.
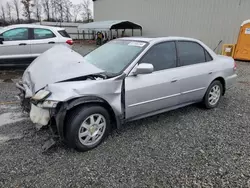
(213, 95)
(87, 127)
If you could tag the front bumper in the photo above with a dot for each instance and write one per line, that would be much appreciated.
(54, 118)
(39, 115)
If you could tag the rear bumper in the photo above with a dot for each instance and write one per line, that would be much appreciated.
(231, 81)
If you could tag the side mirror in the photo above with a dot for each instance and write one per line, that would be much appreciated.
(144, 68)
(1, 40)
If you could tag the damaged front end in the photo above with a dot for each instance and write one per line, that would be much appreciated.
(41, 112)
(53, 85)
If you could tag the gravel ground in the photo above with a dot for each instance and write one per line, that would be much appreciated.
(189, 147)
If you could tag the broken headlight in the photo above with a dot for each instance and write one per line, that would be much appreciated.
(41, 95)
(39, 99)
(48, 104)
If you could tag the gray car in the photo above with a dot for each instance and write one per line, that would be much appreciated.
(127, 79)
(22, 43)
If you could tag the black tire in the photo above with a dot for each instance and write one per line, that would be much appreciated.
(206, 102)
(74, 121)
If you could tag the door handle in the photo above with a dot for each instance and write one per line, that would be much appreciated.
(173, 81)
(22, 44)
(210, 72)
(51, 42)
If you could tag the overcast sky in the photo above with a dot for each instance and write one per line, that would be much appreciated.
(73, 1)
(3, 2)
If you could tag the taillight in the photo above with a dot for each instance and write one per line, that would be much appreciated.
(235, 66)
(70, 42)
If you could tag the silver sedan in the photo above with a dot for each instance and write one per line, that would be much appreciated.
(124, 80)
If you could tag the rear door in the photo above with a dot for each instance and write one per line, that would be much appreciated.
(16, 44)
(197, 68)
(42, 40)
(150, 93)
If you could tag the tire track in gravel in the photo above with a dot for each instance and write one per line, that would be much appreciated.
(9, 115)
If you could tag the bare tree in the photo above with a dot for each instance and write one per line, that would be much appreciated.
(87, 13)
(9, 11)
(63, 9)
(76, 11)
(47, 8)
(27, 10)
(53, 9)
(17, 9)
(60, 9)
(3, 13)
(38, 10)
(68, 5)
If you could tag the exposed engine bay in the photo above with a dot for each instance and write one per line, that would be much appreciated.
(90, 77)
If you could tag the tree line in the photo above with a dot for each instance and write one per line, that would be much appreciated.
(28, 11)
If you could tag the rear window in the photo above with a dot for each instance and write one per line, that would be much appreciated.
(43, 33)
(64, 33)
(190, 53)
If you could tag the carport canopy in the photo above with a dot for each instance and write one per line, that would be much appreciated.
(109, 25)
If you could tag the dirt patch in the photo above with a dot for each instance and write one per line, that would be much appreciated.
(244, 82)
(7, 76)
(9, 118)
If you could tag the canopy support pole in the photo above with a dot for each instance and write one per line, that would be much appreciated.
(132, 32)
(141, 32)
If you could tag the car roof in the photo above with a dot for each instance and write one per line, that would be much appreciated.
(157, 39)
(31, 26)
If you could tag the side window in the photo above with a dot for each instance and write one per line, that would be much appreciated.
(64, 33)
(16, 34)
(161, 56)
(208, 56)
(43, 33)
(190, 53)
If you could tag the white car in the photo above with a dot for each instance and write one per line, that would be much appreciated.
(22, 43)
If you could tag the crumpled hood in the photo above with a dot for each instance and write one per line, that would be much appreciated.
(57, 64)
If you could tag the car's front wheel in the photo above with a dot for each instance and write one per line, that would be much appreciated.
(87, 127)
(213, 95)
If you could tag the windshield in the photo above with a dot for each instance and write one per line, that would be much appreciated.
(115, 56)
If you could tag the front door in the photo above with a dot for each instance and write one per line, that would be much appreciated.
(149, 93)
(16, 44)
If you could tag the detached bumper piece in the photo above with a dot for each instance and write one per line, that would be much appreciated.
(44, 117)
(25, 102)
(49, 144)
(39, 116)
